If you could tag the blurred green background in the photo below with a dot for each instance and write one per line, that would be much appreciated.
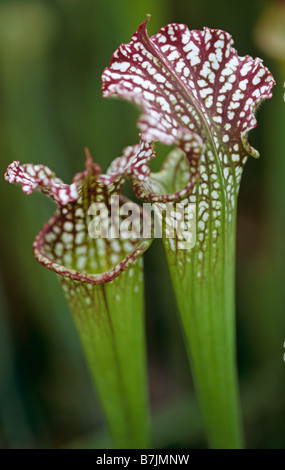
(52, 54)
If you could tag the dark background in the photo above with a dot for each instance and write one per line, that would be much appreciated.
(52, 54)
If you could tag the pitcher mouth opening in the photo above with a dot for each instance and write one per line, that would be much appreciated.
(91, 261)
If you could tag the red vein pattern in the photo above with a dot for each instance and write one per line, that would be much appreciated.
(189, 82)
(194, 84)
(64, 244)
(40, 177)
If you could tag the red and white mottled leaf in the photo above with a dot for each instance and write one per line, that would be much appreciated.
(40, 177)
(64, 244)
(190, 81)
(193, 84)
(134, 163)
(102, 279)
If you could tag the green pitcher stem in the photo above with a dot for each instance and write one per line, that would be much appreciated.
(206, 302)
(111, 330)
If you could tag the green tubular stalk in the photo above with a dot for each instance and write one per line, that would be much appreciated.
(207, 308)
(111, 330)
(203, 278)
